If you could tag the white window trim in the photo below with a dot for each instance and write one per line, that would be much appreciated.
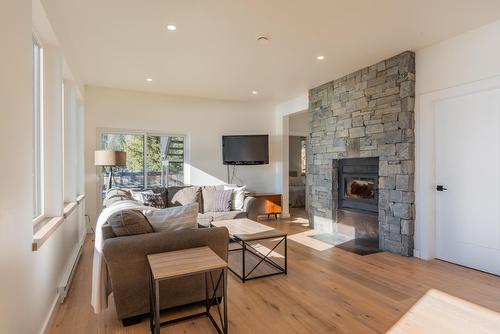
(41, 217)
(187, 156)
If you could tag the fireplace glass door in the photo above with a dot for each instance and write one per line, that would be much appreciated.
(358, 184)
(359, 188)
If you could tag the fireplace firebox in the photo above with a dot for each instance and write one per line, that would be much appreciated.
(358, 185)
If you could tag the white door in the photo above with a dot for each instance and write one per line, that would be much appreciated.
(468, 166)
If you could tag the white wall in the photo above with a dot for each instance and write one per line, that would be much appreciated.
(299, 124)
(459, 61)
(463, 59)
(29, 280)
(203, 120)
(16, 258)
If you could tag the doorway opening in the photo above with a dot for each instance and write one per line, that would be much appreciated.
(297, 160)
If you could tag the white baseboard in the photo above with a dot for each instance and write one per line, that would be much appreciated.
(63, 290)
(70, 270)
(47, 324)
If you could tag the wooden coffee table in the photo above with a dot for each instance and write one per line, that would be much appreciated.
(201, 260)
(244, 232)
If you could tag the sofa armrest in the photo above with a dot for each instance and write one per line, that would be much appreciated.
(251, 207)
(127, 264)
(135, 248)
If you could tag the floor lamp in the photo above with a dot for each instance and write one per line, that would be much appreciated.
(110, 159)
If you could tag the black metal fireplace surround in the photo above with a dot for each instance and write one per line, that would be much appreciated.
(358, 185)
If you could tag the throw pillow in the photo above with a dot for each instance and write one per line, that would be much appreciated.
(238, 199)
(173, 219)
(114, 195)
(154, 200)
(208, 196)
(222, 200)
(129, 222)
(163, 192)
(178, 196)
(137, 194)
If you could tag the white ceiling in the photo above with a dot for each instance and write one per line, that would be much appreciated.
(214, 52)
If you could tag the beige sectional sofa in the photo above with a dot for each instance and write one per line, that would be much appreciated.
(182, 195)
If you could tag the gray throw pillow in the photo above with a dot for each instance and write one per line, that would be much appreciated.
(173, 219)
(222, 200)
(129, 222)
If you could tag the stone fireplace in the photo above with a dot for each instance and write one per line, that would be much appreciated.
(361, 154)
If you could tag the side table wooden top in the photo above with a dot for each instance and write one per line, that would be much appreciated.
(184, 262)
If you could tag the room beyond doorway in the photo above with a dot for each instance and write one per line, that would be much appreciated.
(297, 159)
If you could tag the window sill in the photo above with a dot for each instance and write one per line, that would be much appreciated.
(69, 208)
(44, 230)
(45, 227)
(39, 220)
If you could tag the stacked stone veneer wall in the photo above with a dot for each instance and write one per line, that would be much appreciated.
(369, 113)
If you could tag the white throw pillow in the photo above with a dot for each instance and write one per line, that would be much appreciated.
(137, 194)
(174, 218)
(238, 196)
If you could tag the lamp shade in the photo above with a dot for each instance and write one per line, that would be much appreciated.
(110, 158)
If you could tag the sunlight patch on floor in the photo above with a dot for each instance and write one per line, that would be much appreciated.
(438, 312)
(306, 238)
(300, 220)
(264, 250)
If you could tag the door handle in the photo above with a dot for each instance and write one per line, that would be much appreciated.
(441, 188)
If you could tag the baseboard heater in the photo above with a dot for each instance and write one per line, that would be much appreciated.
(68, 277)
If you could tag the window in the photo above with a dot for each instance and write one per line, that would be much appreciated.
(37, 130)
(152, 160)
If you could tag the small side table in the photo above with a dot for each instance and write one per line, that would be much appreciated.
(270, 204)
(188, 262)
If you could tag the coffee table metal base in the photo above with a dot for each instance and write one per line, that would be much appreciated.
(263, 258)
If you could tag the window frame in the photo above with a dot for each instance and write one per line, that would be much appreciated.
(145, 133)
(38, 132)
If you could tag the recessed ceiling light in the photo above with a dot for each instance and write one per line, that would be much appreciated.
(320, 57)
(149, 79)
(263, 39)
(254, 92)
(171, 27)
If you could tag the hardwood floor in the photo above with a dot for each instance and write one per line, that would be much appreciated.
(327, 290)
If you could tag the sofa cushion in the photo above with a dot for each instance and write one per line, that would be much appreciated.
(178, 196)
(204, 219)
(129, 222)
(228, 215)
(174, 218)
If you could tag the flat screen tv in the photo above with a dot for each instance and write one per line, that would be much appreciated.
(245, 150)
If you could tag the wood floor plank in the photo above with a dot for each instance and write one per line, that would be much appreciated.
(326, 291)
